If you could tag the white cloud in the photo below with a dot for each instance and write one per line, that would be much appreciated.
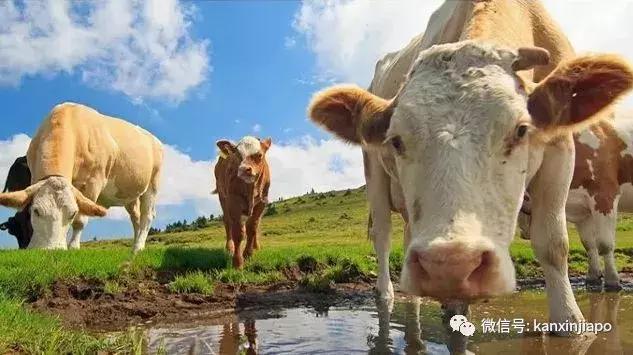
(348, 37)
(257, 127)
(323, 165)
(140, 48)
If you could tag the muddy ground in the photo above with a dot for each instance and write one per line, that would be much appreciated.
(84, 304)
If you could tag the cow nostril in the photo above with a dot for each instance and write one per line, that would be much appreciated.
(484, 265)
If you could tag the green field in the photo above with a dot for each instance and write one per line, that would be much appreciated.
(324, 235)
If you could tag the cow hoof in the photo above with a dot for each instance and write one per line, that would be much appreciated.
(74, 246)
(247, 254)
(612, 287)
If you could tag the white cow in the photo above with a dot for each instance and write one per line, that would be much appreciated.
(78, 157)
(453, 144)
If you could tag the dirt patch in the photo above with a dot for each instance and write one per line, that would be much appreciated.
(85, 304)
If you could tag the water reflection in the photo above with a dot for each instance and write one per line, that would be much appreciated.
(411, 326)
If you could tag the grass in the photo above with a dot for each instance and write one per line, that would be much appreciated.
(322, 236)
(194, 282)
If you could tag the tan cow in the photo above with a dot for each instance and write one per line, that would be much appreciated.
(601, 186)
(453, 129)
(242, 180)
(78, 157)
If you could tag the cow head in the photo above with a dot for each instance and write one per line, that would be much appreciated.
(54, 203)
(466, 132)
(251, 152)
(19, 226)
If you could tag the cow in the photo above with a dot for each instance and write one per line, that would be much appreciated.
(455, 127)
(601, 186)
(83, 162)
(242, 179)
(19, 178)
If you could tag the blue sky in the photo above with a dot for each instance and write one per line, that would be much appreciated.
(195, 72)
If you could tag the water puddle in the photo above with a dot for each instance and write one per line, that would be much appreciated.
(411, 327)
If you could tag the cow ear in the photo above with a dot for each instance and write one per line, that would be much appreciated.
(226, 147)
(351, 113)
(87, 207)
(579, 89)
(266, 143)
(19, 199)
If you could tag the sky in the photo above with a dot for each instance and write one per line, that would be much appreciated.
(196, 72)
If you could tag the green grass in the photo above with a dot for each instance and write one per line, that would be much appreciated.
(194, 282)
(324, 236)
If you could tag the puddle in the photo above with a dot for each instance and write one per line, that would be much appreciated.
(412, 327)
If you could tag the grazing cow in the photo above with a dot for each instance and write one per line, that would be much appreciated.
(453, 129)
(242, 179)
(83, 162)
(601, 186)
(19, 178)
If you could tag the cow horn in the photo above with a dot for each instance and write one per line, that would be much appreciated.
(529, 57)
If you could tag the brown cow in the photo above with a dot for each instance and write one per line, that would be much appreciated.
(242, 181)
(601, 186)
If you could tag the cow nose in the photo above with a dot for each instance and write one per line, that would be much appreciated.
(454, 270)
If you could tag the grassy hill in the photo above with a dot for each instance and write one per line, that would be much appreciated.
(313, 241)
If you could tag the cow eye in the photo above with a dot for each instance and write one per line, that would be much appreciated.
(397, 144)
(522, 130)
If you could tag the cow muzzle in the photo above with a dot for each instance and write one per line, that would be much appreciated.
(455, 270)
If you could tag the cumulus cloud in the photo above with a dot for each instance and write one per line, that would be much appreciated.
(140, 48)
(348, 37)
(307, 163)
(257, 127)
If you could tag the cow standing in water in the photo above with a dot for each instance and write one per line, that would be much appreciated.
(601, 186)
(242, 180)
(83, 162)
(453, 129)
(19, 178)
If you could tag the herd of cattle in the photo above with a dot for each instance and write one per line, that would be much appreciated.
(486, 116)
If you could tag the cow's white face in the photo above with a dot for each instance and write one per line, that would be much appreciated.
(53, 209)
(251, 153)
(460, 136)
(466, 136)
(54, 204)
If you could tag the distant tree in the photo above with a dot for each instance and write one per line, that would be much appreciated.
(312, 191)
(154, 231)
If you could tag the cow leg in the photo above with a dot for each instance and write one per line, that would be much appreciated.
(91, 191)
(229, 246)
(134, 210)
(548, 230)
(147, 214)
(78, 226)
(378, 192)
(588, 237)
(606, 248)
(237, 234)
(252, 230)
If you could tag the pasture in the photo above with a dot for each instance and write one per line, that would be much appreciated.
(310, 243)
